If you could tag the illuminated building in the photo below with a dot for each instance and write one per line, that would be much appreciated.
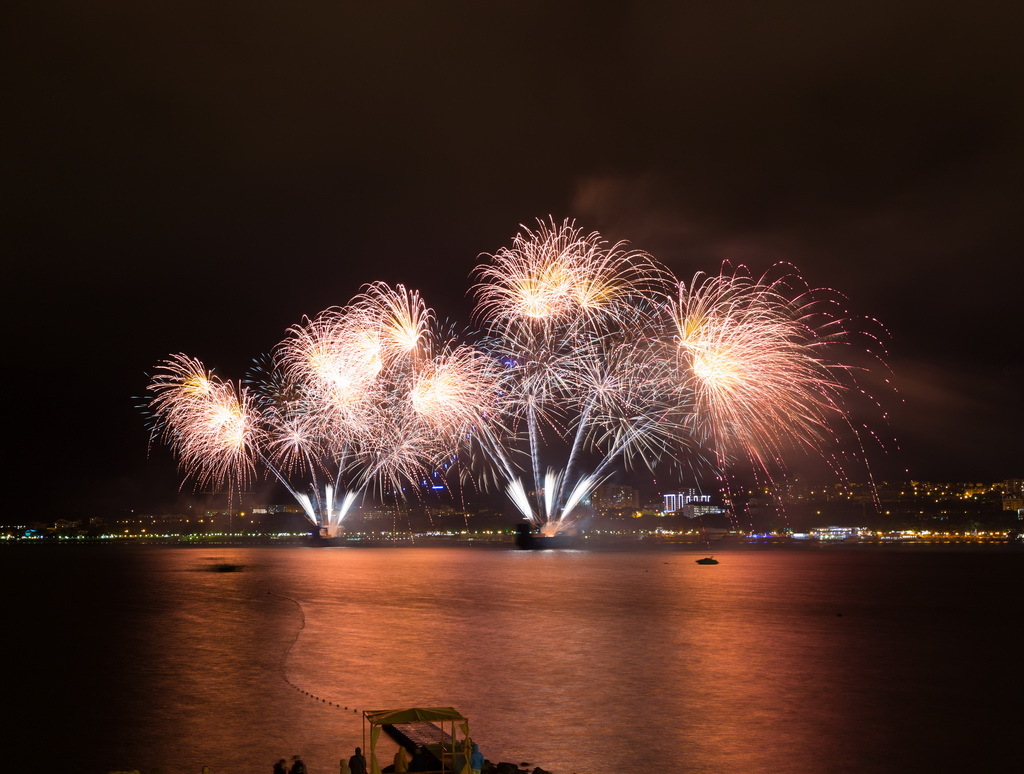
(1013, 496)
(677, 501)
(615, 497)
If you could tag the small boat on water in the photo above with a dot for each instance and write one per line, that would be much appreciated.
(707, 560)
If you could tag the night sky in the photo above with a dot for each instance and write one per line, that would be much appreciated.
(195, 177)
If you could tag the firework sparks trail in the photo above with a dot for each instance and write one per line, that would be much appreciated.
(755, 367)
(608, 358)
(362, 395)
(209, 423)
(557, 307)
(382, 397)
(592, 355)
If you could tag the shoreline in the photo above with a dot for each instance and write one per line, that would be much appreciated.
(588, 543)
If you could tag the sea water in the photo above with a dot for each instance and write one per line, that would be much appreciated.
(881, 659)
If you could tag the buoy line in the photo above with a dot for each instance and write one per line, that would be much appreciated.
(283, 667)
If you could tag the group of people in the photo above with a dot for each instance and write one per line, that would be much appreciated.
(357, 763)
(421, 760)
(298, 766)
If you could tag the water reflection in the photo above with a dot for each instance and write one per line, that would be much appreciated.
(780, 661)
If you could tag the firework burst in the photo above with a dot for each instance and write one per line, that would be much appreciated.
(557, 307)
(755, 366)
(591, 355)
(363, 395)
(209, 423)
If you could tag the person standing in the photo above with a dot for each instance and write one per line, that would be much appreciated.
(357, 763)
(281, 767)
(476, 760)
(298, 766)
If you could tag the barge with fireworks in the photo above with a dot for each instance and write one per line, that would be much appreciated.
(529, 539)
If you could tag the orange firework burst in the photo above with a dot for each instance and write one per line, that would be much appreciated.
(591, 355)
(569, 315)
(208, 422)
(359, 395)
(755, 372)
(557, 275)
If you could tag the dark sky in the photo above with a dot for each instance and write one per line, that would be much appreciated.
(194, 177)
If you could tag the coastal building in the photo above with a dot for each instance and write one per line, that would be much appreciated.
(677, 501)
(1013, 496)
(614, 497)
(839, 533)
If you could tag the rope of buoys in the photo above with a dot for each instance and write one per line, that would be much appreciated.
(282, 667)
